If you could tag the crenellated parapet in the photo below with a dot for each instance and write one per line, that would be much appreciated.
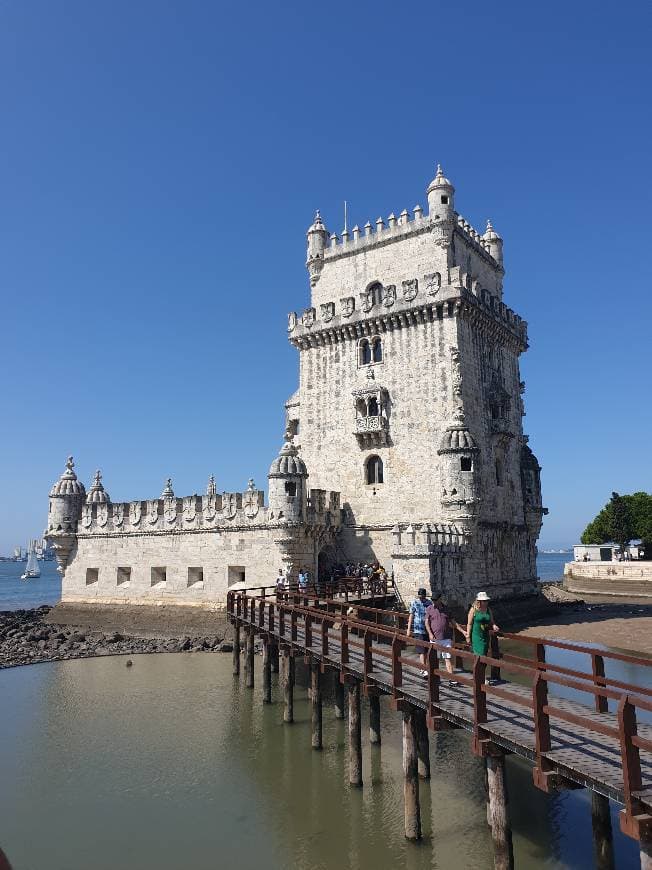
(424, 539)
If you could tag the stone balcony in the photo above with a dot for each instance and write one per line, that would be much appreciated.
(371, 431)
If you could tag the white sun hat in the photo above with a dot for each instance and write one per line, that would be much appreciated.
(482, 596)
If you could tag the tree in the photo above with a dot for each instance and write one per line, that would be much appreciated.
(621, 524)
(622, 519)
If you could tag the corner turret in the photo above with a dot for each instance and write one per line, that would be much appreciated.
(459, 469)
(67, 497)
(287, 484)
(97, 494)
(441, 197)
(494, 243)
(317, 241)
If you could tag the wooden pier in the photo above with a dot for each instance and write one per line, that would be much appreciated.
(598, 745)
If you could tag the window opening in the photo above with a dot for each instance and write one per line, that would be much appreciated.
(365, 353)
(195, 576)
(377, 350)
(373, 407)
(290, 488)
(374, 472)
(158, 576)
(466, 463)
(123, 576)
(92, 575)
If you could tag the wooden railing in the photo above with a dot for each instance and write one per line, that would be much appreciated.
(380, 659)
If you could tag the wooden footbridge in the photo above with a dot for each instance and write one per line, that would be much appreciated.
(507, 704)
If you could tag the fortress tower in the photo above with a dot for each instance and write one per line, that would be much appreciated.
(409, 400)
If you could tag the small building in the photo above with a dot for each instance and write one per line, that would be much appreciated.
(594, 552)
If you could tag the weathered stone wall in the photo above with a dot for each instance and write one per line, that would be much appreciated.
(609, 578)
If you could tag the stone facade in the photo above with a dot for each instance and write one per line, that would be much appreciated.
(407, 423)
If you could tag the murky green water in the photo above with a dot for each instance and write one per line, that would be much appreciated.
(172, 764)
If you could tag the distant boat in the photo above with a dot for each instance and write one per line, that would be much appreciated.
(32, 569)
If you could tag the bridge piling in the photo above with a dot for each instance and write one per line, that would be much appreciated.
(236, 649)
(249, 658)
(274, 658)
(316, 704)
(411, 775)
(374, 719)
(267, 672)
(355, 735)
(423, 745)
(339, 696)
(602, 833)
(288, 685)
(501, 830)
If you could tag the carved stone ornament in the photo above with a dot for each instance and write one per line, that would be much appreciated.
(442, 234)
(170, 511)
(292, 321)
(152, 512)
(410, 289)
(102, 514)
(457, 372)
(87, 515)
(308, 318)
(348, 305)
(189, 509)
(367, 300)
(135, 512)
(433, 283)
(118, 514)
(229, 505)
(251, 504)
(209, 507)
(389, 296)
(327, 311)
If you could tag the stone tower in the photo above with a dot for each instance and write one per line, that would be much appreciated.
(409, 400)
(67, 498)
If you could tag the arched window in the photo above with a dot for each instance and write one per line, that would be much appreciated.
(499, 472)
(365, 352)
(373, 407)
(374, 470)
(377, 350)
(361, 407)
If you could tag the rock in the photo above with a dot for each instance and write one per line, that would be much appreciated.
(129, 663)
(186, 645)
(225, 646)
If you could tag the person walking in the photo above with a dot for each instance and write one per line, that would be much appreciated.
(416, 626)
(480, 625)
(440, 628)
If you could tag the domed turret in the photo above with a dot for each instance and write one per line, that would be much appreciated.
(97, 494)
(66, 499)
(460, 454)
(441, 197)
(317, 241)
(168, 492)
(494, 243)
(287, 483)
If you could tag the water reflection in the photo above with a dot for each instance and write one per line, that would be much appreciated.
(171, 764)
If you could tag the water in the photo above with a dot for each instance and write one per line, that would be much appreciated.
(15, 593)
(172, 764)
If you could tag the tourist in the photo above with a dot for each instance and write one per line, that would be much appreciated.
(416, 626)
(280, 582)
(440, 628)
(303, 580)
(480, 625)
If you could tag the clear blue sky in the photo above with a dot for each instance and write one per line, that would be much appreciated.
(159, 165)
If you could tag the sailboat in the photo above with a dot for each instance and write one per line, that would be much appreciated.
(32, 568)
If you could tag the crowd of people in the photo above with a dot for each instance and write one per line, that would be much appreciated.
(365, 578)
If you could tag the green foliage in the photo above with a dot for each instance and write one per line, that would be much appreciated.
(622, 519)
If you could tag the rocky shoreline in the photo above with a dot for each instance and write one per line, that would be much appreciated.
(26, 638)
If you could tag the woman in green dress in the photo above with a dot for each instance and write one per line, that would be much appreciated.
(480, 625)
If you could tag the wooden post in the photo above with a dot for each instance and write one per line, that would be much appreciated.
(339, 696)
(315, 698)
(501, 830)
(374, 719)
(274, 657)
(423, 746)
(602, 834)
(267, 671)
(288, 685)
(411, 776)
(236, 648)
(249, 659)
(355, 735)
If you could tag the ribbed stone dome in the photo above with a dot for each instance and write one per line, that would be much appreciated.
(68, 483)
(440, 181)
(288, 463)
(97, 494)
(456, 437)
(490, 234)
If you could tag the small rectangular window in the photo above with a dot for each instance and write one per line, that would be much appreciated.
(291, 488)
(236, 574)
(92, 575)
(466, 463)
(444, 200)
(196, 578)
(124, 576)
(159, 576)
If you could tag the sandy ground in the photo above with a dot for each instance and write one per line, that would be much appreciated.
(625, 625)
